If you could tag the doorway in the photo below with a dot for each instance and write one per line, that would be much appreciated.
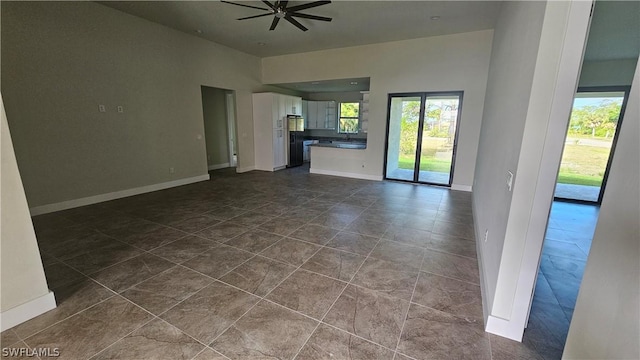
(422, 132)
(218, 112)
(590, 143)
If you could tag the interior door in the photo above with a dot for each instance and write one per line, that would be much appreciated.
(422, 137)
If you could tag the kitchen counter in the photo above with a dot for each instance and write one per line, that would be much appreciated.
(342, 145)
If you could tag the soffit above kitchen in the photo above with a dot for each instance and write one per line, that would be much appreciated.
(354, 22)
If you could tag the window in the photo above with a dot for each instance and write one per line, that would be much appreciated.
(349, 118)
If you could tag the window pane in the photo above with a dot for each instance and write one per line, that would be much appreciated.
(348, 125)
(351, 109)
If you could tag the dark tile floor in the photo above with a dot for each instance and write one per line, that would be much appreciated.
(265, 266)
(569, 234)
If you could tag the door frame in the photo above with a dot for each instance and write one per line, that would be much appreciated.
(586, 89)
(231, 126)
(423, 97)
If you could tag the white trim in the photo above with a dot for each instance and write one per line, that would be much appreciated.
(461, 187)
(245, 169)
(21, 313)
(218, 166)
(346, 174)
(69, 204)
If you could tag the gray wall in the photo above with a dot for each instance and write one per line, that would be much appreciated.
(513, 60)
(21, 272)
(61, 59)
(605, 323)
(216, 131)
(438, 63)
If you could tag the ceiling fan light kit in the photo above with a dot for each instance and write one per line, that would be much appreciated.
(279, 10)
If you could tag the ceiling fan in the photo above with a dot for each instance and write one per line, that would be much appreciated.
(280, 10)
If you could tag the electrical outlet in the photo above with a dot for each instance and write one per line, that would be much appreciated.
(101, 108)
(486, 235)
(172, 170)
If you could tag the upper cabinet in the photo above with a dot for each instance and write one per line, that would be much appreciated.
(320, 114)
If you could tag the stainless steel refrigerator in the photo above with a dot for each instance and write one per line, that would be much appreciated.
(296, 138)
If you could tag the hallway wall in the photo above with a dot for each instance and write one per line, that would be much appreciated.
(605, 321)
(216, 132)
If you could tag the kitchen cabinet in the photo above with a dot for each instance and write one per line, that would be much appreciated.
(321, 114)
(270, 112)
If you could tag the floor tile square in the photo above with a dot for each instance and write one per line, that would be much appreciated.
(453, 266)
(291, 251)
(184, 249)
(281, 225)
(369, 314)
(328, 343)
(223, 231)
(355, 243)
(406, 235)
(254, 241)
(388, 277)
(218, 261)
(267, 331)
(156, 340)
(448, 295)
(163, 291)
(398, 252)
(71, 299)
(258, 275)
(432, 334)
(368, 227)
(207, 314)
(314, 233)
(337, 264)
(308, 293)
(121, 276)
(83, 335)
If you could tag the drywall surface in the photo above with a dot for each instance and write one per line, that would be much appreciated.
(607, 72)
(439, 63)
(516, 225)
(513, 59)
(21, 272)
(60, 60)
(605, 323)
(216, 132)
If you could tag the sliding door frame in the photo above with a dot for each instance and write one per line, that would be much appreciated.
(423, 101)
(586, 89)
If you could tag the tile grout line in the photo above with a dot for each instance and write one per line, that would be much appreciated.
(339, 295)
(261, 298)
(404, 322)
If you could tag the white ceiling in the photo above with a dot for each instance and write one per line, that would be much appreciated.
(354, 22)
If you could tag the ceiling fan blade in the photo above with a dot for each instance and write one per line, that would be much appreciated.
(248, 6)
(270, 5)
(255, 16)
(295, 22)
(309, 5)
(274, 23)
(312, 17)
(283, 3)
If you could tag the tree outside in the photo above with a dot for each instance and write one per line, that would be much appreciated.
(437, 138)
(592, 127)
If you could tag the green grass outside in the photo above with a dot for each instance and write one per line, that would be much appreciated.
(581, 164)
(426, 164)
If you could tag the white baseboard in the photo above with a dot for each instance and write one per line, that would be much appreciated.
(44, 209)
(346, 174)
(461, 187)
(21, 313)
(245, 169)
(219, 166)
